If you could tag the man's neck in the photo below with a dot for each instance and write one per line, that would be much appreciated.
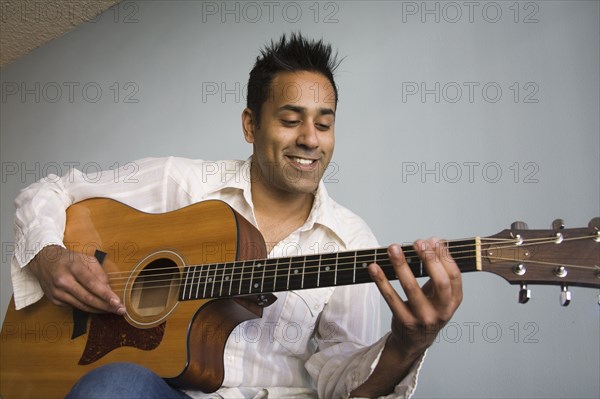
(279, 213)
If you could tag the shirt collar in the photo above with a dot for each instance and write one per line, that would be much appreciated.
(323, 211)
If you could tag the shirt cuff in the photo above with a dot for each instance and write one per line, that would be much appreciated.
(29, 244)
(26, 288)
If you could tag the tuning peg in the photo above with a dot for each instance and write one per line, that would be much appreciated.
(594, 225)
(557, 226)
(524, 294)
(519, 225)
(565, 295)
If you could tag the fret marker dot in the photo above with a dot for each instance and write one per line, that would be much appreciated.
(209, 279)
(296, 271)
(327, 268)
(258, 265)
(364, 264)
(226, 278)
(255, 285)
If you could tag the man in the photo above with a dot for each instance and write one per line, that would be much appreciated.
(289, 120)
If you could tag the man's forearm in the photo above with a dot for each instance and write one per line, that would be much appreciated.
(394, 364)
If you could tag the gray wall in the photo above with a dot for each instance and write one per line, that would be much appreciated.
(455, 119)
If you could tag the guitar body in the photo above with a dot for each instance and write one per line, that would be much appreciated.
(47, 348)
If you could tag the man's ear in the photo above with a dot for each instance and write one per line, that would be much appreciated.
(248, 125)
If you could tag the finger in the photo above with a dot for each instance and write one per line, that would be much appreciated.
(64, 298)
(444, 289)
(399, 309)
(452, 269)
(432, 256)
(92, 287)
(417, 300)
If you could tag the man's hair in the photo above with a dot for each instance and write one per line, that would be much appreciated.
(294, 55)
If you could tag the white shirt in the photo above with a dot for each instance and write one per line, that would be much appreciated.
(323, 341)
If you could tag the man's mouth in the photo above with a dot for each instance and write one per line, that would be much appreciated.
(302, 162)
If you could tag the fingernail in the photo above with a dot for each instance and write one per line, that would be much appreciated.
(115, 302)
(394, 250)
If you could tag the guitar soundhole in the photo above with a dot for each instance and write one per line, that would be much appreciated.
(154, 291)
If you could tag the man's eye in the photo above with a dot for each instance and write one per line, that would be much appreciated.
(289, 122)
(322, 126)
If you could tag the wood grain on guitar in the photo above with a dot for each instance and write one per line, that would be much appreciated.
(189, 277)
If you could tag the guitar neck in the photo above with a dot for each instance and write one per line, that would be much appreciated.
(263, 276)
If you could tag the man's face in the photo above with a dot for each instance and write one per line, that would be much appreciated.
(294, 142)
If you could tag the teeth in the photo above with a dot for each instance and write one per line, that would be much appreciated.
(302, 161)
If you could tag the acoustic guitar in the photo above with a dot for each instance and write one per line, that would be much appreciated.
(188, 277)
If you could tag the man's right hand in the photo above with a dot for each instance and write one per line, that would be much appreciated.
(70, 278)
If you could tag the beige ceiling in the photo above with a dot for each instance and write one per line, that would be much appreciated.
(28, 24)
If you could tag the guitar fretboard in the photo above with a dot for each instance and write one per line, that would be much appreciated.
(259, 276)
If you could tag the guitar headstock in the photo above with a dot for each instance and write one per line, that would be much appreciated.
(559, 256)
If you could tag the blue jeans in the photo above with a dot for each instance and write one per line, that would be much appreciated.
(123, 380)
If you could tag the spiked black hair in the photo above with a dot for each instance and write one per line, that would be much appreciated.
(293, 55)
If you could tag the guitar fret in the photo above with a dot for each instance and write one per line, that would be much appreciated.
(185, 284)
(383, 260)
(328, 273)
(269, 273)
(195, 281)
(222, 265)
(206, 281)
(251, 277)
(311, 271)
(287, 286)
(213, 279)
(262, 281)
(336, 270)
(281, 282)
(303, 272)
(246, 277)
(198, 278)
(296, 267)
(254, 269)
(233, 265)
(241, 278)
(354, 269)
(318, 275)
(362, 260)
(345, 268)
(275, 276)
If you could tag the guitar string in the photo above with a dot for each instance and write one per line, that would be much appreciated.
(232, 278)
(259, 262)
(407, 252)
